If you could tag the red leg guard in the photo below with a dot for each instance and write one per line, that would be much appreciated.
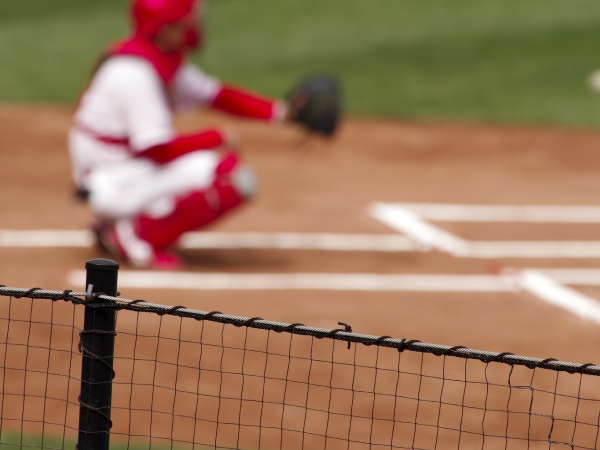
(194, 211)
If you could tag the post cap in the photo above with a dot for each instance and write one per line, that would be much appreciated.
(102, 265)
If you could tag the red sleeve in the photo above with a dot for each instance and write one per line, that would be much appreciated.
(182, 145)
(238, 102)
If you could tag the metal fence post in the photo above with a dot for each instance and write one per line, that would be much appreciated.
(97, 346)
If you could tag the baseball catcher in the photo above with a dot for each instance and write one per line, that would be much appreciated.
(147, 184)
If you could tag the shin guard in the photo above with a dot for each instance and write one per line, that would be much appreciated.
(196, 209)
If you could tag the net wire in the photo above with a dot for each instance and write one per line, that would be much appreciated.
(194, 379)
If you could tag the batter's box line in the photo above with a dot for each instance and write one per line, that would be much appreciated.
(409, 219)
(541, 283)
(223, 240)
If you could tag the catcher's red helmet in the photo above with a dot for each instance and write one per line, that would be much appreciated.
(149, 16)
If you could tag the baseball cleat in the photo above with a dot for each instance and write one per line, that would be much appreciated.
(121, 241)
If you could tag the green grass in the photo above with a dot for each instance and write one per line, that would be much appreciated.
(523, 61)
(13, 440)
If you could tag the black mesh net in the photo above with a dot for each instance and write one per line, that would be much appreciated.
(183, 383)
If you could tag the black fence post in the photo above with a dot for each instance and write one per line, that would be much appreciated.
(97, 345)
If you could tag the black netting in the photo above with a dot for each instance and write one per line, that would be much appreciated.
(227, 382)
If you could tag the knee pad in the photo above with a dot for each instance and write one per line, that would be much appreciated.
(243, 180)
(241, 177)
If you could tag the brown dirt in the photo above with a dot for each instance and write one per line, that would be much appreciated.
(325, 186)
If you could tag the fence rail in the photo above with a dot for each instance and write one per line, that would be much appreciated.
(460, 351)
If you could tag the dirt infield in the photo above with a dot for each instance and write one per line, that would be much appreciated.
(322, 186)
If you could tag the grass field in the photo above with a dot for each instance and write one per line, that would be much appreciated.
(10, 440)
(523, 61)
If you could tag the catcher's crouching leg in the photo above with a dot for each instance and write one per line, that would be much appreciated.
(234, 184)
(144, 240)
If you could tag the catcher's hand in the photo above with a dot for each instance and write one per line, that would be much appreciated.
(315, 103)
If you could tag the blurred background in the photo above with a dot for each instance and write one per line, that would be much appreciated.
(513, 61)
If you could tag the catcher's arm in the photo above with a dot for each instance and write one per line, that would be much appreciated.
(315, 103)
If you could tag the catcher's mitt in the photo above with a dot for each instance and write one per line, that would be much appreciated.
(315, 103)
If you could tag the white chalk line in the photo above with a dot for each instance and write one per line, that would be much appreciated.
(300, 241)
(361, 281)
(504, 282)
(536, 282)
(503, 213)
(407, 218)
(532, 249)
(46, 238)
(545, 285)
(331, 242)
(202, 240)
(307, 281)
(576, 277)
(552, 292)
(408, 222)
